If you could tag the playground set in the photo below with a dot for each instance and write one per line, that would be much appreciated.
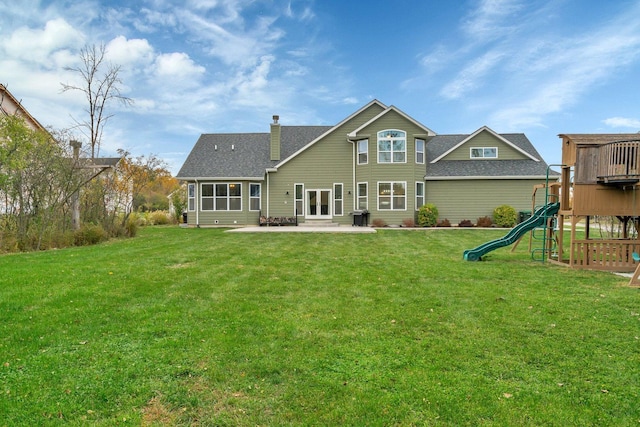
(599, 178)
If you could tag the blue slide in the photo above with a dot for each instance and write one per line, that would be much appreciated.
(536, 220)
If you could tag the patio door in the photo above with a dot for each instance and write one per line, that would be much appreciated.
(318, 204)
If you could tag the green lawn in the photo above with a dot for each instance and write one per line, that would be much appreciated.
(201, 327)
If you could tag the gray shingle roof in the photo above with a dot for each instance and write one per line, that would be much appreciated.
(243, 155)
(440, 144)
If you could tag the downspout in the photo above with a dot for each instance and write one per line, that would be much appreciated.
(268, 191)
(197, 204)
(353, 174)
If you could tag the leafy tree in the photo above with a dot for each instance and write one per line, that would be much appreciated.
(36, 181)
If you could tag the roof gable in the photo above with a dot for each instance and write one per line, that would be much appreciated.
(428, 132)
(373, 103)
(468, 139)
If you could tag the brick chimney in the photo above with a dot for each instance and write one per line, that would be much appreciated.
(275, 138)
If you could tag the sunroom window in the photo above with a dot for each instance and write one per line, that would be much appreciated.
(191, 197)
(392, 146)
(221, 197)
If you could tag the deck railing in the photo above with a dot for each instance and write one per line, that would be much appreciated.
(612, 255)
(619, 160)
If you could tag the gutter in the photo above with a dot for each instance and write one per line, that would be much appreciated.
(480, 177)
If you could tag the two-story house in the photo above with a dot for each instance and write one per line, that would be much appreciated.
(378, 159)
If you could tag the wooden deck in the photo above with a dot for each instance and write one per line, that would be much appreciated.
(619, 162)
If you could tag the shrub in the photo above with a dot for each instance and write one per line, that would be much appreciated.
(444, 223)
(465, 223)
(89, 234)
(159, 218)
(378, 223)
(428, 215)
(131, 226)
(484, 221)
(409, 222)
(505, 216)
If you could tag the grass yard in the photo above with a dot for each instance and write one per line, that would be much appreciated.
(202, 327)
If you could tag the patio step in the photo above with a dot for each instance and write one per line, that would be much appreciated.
(318, 223)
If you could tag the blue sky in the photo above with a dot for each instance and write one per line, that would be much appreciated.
(541, 67)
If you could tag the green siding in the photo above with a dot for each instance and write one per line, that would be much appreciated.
(408, 172)
(320, 166)
(485, 139)
(471, 199)
(226, 218)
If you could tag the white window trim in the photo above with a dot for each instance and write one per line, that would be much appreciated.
(424, 148)
(253, 197)
(483, 156)
(418, 183)
(214, 184)
(366, 195)
(391, 195)
(392, 162)
(194, 198)
(295, 200)
(336, 184)
(365, 152)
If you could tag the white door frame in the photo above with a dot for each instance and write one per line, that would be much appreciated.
(315, 196)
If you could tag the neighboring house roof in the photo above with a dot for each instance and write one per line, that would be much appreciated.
(441, 145)
(106, 162)
(243, 155)
(10, 106)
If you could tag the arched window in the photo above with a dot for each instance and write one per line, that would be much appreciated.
(392, 146)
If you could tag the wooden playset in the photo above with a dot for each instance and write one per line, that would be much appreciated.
(600, 177)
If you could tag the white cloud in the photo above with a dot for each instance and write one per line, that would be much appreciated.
(178, 65)
(491, 19)
(37, 45)
(129, 52)
(469, 78)
(622, 122)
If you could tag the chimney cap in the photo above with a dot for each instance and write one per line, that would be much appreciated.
(275, 119)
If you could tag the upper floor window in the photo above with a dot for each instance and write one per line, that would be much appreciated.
(392, 146)
(484, 152)
(363, 151)
(420, 151)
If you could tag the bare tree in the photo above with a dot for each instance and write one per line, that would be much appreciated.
(101, 85)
